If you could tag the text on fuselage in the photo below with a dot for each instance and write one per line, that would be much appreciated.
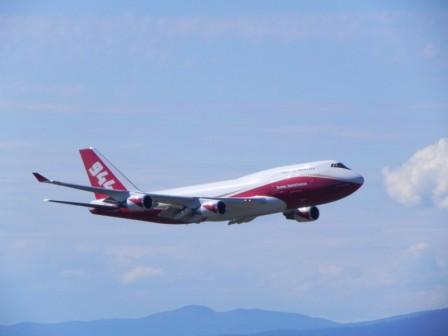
(292, 185)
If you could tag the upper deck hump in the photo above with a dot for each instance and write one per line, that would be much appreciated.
(291, 168)
(219, 188)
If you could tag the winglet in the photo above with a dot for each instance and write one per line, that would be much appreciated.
(40, 178)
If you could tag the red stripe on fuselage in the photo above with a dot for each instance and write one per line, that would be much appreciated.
(296, 192)
(303, 191)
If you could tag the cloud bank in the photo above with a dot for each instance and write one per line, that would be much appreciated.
(423, 177)
(140, 272)
(417, 249)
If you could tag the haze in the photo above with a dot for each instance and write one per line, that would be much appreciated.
(177, 94)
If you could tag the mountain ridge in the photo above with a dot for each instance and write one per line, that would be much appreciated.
(196, 320)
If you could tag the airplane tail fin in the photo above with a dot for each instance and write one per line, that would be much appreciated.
(102, 173)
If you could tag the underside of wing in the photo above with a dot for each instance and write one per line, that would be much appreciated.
(103, 206)
(189, 201)
(197, 209)
(241, 220)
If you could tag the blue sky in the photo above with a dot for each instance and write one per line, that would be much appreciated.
(177, 93)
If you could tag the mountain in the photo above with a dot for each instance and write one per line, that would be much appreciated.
(203, 321)
(186, 321)
(431, 323)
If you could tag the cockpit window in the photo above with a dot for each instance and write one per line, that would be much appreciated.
(339, 165)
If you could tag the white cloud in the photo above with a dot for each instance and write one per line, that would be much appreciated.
(430, 50)
(423, 176)
(139, 272)
(326, 130)
(28, 244)
(133, 252)
(73, 273)
(130, 254)
(417, 249)
(330, 270)
(14, 145)
(141, 35)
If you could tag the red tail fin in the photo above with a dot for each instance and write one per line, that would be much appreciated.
(102, 173)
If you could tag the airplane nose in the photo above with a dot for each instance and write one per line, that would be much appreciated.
(354, 178)
(358, 179)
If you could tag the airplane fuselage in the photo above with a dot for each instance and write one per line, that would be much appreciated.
(292, 190)
(282, 189)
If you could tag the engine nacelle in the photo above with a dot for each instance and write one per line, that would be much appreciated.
(305, 214)
(139, 202)
(211, 209)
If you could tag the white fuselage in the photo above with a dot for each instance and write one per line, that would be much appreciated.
(234, 186)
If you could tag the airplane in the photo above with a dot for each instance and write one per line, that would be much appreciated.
(295, 191)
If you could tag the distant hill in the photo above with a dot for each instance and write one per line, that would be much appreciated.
(430, 323)
(186, 321)
(203, 321)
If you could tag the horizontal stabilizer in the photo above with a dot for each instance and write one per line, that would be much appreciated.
(88, 205)
(40, 177)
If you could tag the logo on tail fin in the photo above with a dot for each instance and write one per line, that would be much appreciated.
(97, 170)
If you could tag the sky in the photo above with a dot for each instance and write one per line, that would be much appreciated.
(183, 92)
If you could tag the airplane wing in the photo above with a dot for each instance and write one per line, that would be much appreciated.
(190, 202)
(178, 207)
(118, 195)
(121, 195)
(180, 201)
(103, 206)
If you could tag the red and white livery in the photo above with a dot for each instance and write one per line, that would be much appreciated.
(294, 190)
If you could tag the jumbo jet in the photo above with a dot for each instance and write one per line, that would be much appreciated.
(294, 191)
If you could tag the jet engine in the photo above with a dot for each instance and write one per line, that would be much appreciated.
(305, 214)
(211, 208)
(139, 202)
(206, 210)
